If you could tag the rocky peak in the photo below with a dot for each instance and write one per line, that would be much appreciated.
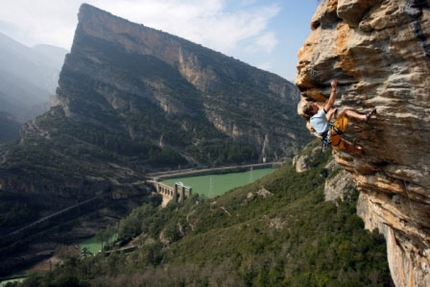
(379, 52)
(182, 79)
(175, 51)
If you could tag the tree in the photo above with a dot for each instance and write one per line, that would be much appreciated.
(85, 252)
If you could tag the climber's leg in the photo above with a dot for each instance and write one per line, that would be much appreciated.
(358, 149)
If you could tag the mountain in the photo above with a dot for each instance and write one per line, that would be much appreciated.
(132, 100)
(379, 52)
(28, 77)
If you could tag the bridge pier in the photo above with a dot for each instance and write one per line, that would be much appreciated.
(178, 193)
(182, 191)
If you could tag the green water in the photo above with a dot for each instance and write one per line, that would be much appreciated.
(94, 246)
(91, 245)
(214, 185)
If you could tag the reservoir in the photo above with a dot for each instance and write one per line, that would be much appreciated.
(217, 184)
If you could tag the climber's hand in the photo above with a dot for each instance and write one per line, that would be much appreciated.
(333, 84)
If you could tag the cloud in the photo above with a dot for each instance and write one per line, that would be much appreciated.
(42, 21)
(212, 23)
(267, 66)
(243, 29)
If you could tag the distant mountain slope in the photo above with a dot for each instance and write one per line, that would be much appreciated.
(55, 55)
(28, 76)
(9, 127)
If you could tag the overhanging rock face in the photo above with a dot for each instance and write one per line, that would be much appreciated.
(380, 53)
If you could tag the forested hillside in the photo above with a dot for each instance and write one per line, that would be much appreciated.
(278, 231)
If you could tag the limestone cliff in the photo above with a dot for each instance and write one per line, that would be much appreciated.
(184, 82)
(380, 53)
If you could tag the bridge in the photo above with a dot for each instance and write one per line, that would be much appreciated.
(178, 193)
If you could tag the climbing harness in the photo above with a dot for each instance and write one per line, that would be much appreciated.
(325, 137)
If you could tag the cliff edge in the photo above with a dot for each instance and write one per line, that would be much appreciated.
(380, 53)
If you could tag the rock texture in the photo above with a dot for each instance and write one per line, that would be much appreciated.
(379, 52)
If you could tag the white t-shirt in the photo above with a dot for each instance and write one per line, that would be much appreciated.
(319, 122)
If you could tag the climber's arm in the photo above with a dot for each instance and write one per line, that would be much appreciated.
(330, 114)
(332, 97)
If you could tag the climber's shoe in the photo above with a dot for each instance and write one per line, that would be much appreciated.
(359, 149)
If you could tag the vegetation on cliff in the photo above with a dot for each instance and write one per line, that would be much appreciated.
(278, 231)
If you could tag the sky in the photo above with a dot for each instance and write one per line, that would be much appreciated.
(266, 34)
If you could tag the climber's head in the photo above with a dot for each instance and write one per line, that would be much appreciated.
(310, 109)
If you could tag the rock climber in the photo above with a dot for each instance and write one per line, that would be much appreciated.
(331, 133)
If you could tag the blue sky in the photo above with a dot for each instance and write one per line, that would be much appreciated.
(263, 33)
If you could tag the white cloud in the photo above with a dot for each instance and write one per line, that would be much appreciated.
(211, 23)
(243, 29)
(42, 21)
(267, 66)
